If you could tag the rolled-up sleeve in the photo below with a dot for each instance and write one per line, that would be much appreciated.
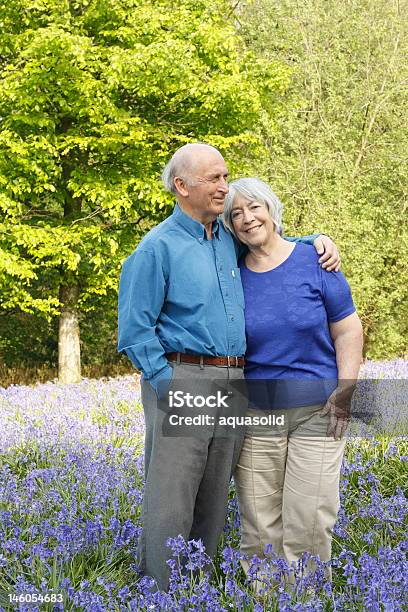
(141, 295)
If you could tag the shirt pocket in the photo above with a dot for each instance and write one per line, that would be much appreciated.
(191, 278)
(187, 285)
(239, 292)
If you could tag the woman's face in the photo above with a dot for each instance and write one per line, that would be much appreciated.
(251, 221)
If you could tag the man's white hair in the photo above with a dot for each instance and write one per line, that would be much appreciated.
(182, 165)
(257, 190)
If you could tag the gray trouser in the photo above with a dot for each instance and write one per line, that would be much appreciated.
(188, 469)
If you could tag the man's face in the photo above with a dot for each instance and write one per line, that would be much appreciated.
(207, 186)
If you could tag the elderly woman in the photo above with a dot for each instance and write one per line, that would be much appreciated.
(304, 345)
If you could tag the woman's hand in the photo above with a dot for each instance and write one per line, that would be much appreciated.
(330, 258)
(347, 336)
(338, 407)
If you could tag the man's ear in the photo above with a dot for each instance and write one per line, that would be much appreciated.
(181, 186)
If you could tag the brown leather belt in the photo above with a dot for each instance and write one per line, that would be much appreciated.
(230, 362)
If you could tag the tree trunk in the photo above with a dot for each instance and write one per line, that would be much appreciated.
(69, 351)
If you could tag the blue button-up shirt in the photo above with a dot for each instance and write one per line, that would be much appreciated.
(180, 292)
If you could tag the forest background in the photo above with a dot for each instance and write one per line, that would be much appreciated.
(96, 95)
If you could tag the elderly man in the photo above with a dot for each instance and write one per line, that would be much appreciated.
(181, 321)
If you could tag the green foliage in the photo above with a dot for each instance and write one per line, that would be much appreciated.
(338, 159)
(94, 97)
(27, 340)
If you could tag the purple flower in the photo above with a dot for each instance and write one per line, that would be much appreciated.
(71, 488)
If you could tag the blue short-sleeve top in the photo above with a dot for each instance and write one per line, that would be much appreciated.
(287, 315)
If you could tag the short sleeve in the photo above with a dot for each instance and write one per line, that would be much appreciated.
(337, 296)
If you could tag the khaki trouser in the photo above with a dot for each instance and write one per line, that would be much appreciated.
(288, 487)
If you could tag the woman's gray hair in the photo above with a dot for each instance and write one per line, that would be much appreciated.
(257, 190)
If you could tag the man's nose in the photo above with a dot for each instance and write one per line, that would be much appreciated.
(223, 185)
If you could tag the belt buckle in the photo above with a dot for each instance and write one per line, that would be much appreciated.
(229, 363)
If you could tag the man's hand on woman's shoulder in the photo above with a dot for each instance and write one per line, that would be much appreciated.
(330, 257)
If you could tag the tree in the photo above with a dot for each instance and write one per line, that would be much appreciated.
(94, 97)
(339, 158)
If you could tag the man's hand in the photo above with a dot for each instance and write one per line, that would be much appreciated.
(338, 407)
(330, 258)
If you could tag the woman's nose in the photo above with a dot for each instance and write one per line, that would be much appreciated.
(248, 216)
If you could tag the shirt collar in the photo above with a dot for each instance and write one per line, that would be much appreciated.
(193, 227)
